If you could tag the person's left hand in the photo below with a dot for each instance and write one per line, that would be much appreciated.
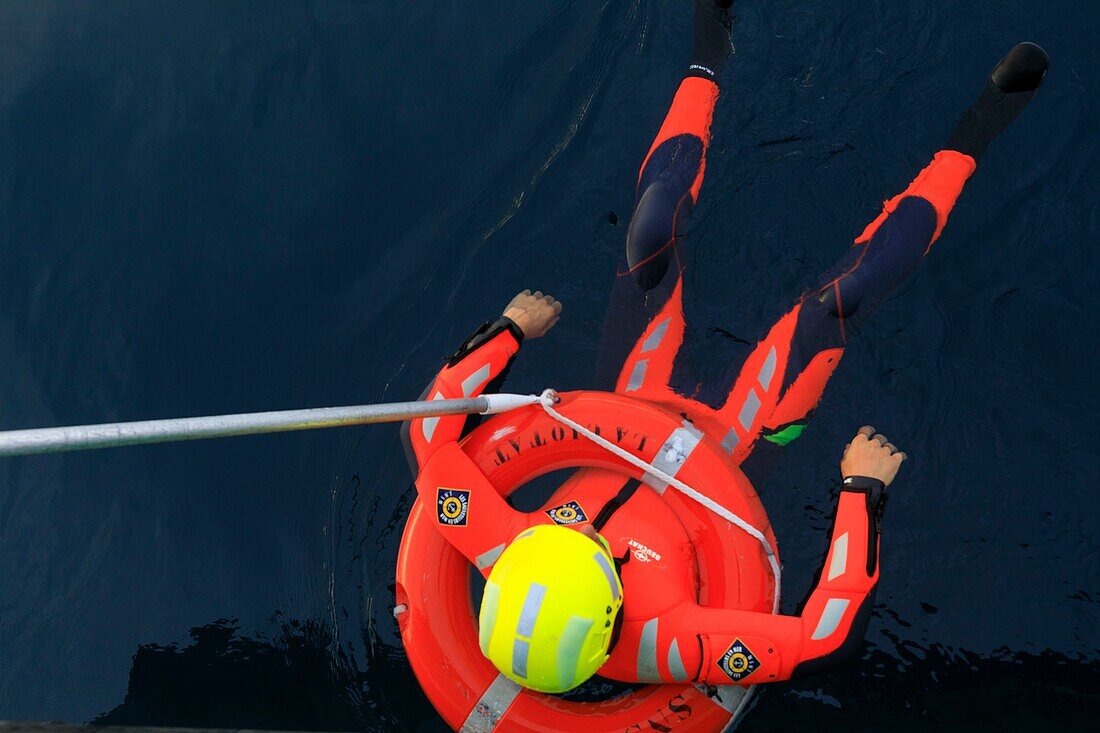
(535, 314)
(870, 454)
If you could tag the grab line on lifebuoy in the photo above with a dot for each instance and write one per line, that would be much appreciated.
(549, 398)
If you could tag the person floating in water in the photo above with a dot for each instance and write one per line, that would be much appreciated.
(762, 404)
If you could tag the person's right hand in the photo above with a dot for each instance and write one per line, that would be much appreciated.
(870, 454)
(535, 314)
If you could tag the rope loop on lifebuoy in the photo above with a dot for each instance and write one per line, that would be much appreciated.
(549, 398)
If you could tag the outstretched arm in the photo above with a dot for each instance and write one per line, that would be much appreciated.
(479, 365)
(741, 646)
(471, 514)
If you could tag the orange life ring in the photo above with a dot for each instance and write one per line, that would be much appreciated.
(434, 607)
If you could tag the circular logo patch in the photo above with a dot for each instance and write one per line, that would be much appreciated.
(452, 506)
(738, 662)
(568, 513)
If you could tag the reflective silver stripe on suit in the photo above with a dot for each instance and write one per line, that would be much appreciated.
(488, 557)
(676, 662)
(647, 653)
(475, 380)
(491, 708)
(428, 425)
(839, 563)
(830, 618)
(637, 376)
(674, 453)
(654, 339)
(731, 440)
(749, 409)
(767, 371)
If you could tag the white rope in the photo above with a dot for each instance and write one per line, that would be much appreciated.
(549, 397)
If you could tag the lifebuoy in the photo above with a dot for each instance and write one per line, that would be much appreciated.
(435, 612)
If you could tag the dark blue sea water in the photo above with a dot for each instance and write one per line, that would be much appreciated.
(210, 207)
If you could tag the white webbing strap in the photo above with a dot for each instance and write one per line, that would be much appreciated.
(549, 397)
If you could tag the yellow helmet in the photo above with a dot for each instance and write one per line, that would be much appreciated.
(549, 608)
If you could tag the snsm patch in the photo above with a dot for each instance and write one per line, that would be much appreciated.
(568, 513)
(738, 662)
(452, 506)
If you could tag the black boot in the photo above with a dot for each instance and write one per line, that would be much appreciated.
(1010, 87)
(712, 38)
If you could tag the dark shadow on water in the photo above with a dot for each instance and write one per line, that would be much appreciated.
(300, 680)
(223, 679)
(945, 690)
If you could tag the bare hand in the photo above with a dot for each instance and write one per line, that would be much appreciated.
(871, 454)
(535, 314)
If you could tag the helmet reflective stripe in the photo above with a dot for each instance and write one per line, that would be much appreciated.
(526, 628)
(547, 611)
(519, 657)
(531, 605)
(569, 649)
(490, 602)
(609, 573)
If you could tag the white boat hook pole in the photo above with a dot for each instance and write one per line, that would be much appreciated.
(112, 435)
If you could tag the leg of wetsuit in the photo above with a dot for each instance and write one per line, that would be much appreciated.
(783, 380)
(649, 280)
(1010, 87)
(711, 38)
